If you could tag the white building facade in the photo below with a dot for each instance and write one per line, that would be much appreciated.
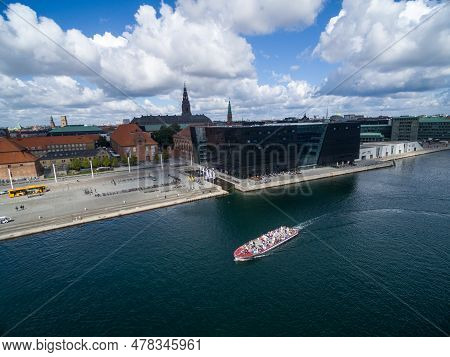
(371, 151)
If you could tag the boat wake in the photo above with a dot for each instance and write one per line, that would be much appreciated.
(309, 222)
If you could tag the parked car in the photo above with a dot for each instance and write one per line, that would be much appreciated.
(4, 220)
(3, 193)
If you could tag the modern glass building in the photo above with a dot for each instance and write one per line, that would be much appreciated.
(383, 131)
(253, 150)
(405, 128)
(434, 128)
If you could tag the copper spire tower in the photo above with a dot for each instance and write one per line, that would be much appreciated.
(229, 115)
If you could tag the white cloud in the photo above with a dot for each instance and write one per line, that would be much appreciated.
(202, 42)
(364, 31)
(253, 16)
(154, 57)
(47, 92)
(26, 100)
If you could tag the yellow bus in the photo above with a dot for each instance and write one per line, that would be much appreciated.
(27, 191)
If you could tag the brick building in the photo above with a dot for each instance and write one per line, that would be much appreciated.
(62, 159)
(182, 143)
(131, 140)
(42, 145)
(18, 160)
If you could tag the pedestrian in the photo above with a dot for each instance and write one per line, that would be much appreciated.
(17, 208)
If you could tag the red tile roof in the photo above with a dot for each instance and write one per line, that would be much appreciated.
(185, 133)
(127, 134)
(12, 153)
(43, 141)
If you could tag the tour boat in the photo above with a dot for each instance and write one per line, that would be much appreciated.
(265, 243)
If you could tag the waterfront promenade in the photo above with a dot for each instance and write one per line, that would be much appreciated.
(248, 185)
(79, 200)
(82, 199)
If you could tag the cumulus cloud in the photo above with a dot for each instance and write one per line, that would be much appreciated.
(104, 78)
(26, 100)
(47, 92)
(152, 58)
(364, 31)
(155, 55)
(253, 16)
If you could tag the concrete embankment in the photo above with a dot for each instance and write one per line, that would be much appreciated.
(100, 214)
(322, 173)
(309, 176)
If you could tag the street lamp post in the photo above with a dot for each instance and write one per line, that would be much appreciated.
(92, 170)
(10, 179)
(54, 173)
(129, 167)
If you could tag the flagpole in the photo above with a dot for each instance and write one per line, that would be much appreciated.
(54, 173)
(10, 179)
(92, 170)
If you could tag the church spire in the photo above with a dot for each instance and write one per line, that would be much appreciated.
(229, 115)
(185, 106)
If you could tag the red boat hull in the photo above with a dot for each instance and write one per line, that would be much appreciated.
(243, 253)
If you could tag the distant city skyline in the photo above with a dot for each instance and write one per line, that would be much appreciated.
(102, 63)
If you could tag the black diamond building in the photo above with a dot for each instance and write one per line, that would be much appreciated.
(151, 123)
(254, 150)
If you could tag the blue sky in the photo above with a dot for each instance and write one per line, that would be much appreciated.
(274, 52)
(272, 58)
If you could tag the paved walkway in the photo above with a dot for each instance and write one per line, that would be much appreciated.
(86, 200)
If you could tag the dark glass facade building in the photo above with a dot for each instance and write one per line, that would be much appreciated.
(253, 150)
(433, 128)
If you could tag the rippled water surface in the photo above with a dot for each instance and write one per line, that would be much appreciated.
(372, 259)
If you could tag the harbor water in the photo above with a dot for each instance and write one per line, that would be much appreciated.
(372, 259)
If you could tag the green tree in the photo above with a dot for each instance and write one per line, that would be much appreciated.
(106, 161)
(96, 162)
(85, 164)
(102, 142)
(156, 157)
(165, 155)
(133, 160)
(75, 164)
(114, 162)
(164, 136)
(175, 128)
(124, 160)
